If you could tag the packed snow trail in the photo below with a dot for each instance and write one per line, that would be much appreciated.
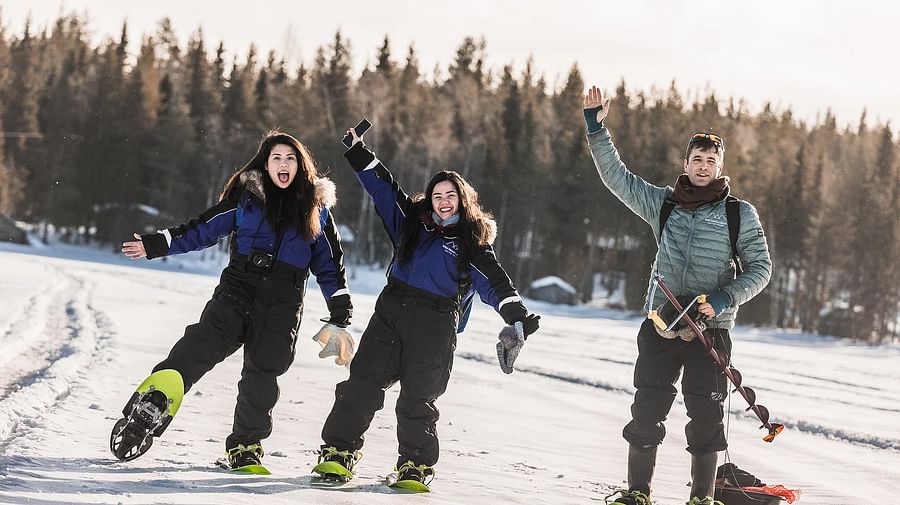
(78, 336)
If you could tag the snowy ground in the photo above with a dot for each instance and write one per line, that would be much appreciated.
(79, 329)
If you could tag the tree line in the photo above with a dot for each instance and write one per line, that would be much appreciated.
(116, 125)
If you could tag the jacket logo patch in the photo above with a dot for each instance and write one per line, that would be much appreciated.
(717, 220)
(451, 248)
(759, 232)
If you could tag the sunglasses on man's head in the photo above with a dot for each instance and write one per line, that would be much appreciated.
(712, 137)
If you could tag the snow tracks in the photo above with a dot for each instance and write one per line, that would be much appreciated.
(51, 337)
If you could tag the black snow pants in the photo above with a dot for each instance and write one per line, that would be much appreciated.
(704, 387)
(411, 339)
(261, 310)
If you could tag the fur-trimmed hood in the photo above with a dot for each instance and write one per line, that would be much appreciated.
(491, 227)
(326, 191)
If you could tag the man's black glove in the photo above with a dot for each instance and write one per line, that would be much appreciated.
(340, 309)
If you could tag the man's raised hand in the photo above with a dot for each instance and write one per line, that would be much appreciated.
(593, 100)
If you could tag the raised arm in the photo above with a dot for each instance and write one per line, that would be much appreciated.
(641, 197)
(392, 204)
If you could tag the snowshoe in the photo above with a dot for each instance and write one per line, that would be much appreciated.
(410, 477)
(628, 498)
(334, 467)
(147, 414)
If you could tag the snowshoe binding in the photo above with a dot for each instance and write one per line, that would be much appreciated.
(244, 459)
(147, 414)
(410, 477)
(334, 467)
(704, 501)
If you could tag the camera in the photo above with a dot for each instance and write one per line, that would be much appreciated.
(261, 260)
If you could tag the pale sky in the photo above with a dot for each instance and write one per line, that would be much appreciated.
(808, 54)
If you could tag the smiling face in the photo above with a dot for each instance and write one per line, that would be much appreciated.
(282, 165)
(703, 166)
(445, 199)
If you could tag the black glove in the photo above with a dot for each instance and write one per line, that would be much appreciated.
(513, 311)
(341, 309)
(530, 324)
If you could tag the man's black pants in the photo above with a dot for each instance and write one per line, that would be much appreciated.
(704, 387)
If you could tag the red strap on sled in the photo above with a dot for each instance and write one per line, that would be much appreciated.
(791, 495)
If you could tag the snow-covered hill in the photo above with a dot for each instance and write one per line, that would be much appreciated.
(79, 329)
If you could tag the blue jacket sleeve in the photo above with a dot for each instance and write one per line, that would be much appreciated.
(494, 286)
(216, 222)
(392, 204)
(327, 262)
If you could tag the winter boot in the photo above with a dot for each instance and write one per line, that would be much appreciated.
(336, 465)
(641, 462)
(413, 477)
(704, 501)
(244, 455)
(628, 498)
(703, 477)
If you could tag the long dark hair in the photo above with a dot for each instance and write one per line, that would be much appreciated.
(299, 204)
(475, 227)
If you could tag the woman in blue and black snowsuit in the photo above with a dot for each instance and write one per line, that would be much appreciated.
(275, 209)
(443, 255)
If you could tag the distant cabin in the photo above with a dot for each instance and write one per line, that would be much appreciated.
(9, 232)
(554, 290)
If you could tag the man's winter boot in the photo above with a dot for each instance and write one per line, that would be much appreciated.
(704, 501)
(641, 462)
(628, 498)
(703, 477)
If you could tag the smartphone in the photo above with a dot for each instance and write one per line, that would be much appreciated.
(360, 129)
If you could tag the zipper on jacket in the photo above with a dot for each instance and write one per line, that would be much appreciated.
(687, 252)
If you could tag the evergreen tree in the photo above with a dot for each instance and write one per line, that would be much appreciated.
(21, 105)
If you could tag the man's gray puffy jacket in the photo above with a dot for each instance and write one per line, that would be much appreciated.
(694, 255)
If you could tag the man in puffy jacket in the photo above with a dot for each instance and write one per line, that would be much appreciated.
(694, 257)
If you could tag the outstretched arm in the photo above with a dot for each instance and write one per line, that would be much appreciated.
(216, 222)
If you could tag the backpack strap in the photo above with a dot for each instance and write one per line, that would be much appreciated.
(733, 215)
(664, 213)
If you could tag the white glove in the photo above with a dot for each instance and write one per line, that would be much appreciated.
(512, 339)
(336, 341)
